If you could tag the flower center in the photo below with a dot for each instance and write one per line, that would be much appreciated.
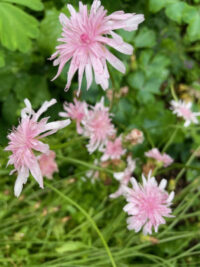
(186, 112)
(85, 38)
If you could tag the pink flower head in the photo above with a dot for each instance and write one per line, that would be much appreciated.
(76, 112)
(48, 164)
(26, 138)
(183, 109)
(113, 150)
(98, 126)
(124, 177)
(84, 39)
(164, 158)
(147, 204)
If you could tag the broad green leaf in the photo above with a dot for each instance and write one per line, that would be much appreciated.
(157, 5)
(32, 4)
(136, 80)
(193, 30)
(145, 38)
(16, 27)
(50, 30)
(189, 13)
(174, 11)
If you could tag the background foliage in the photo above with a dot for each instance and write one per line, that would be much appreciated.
(42, 228)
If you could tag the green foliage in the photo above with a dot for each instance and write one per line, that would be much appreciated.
(41, 227)
(16, 26)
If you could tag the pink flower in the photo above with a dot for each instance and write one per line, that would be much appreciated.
(26, 138)
(84, 39)
(48, 164)
(97, 126)
(76, 112)
(113, 150)
(183, 109)
(147, 204)
(124, 177)
(164, 158)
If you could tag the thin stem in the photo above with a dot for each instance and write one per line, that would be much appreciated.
(170, 140)
(173, 92)
(83, 163)
(89, 219)
(187, 163)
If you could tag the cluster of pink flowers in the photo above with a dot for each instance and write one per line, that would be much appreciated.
(163, 158)
(84, 39)
(25, 139)
(93, 122)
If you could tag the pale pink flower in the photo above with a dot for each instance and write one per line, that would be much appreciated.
(135, 137)
(183, 109)
(48, 164)
(113, 150)
(75, 112)
(147, 204)
(84, 39)
(164, 158)
(26, 138)
(124, 177)
(97, 126)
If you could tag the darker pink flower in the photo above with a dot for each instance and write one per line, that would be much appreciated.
(26, 138)
(147, 204)
(113, 150)
(98, 126)
(48, 164)
(164, 158)
(75, 112)
(84, 39)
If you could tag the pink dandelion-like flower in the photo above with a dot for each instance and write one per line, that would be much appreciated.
(84, 40)
(113, 150)
(183, 109)
(75, 112)
(97, 126)
(164, 158)
(124, 177)
(48, 164)
(26, 138)
(147, 204)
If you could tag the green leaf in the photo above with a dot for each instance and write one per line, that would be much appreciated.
(145, 38)
(50, 30)
(2, 61)
(36, 5)
(70, 246)
(136, 80)
(16, 28)
(193, 29)
(157, 5)
(174, 11)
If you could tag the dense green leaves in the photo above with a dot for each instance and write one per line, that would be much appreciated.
(17, 27)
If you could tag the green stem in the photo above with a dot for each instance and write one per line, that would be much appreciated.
(83, 163)
(173, 92)
(187, 163)
(170, 140)
(72, 202)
